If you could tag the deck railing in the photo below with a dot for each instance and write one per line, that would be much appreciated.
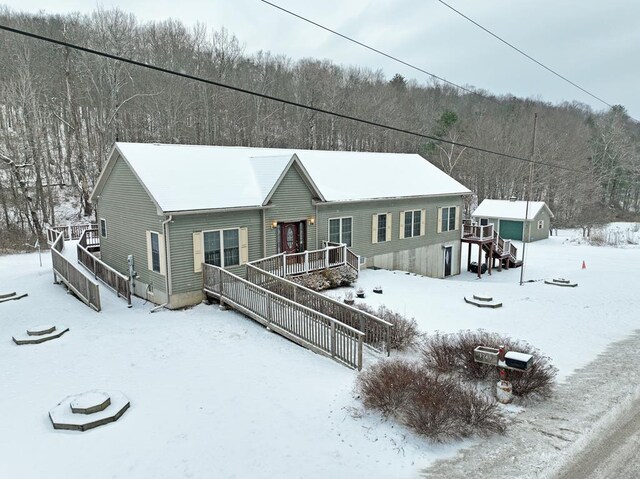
(377, 332)
(481, 232)
(100, 270)
(300, 324)
(84, 288)
(289, 264)
(69, 232)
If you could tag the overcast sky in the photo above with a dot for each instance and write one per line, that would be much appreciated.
(595, 44)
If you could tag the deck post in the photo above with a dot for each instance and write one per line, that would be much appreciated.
(326, 257)
(306, 261)
(284, 265)
(344, 254)
(469, 257)
(268, 318)
(333, 339)
(480, 260)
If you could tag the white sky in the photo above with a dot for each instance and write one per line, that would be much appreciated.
(593, 43)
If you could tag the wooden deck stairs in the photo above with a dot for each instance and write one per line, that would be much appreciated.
(492, 244)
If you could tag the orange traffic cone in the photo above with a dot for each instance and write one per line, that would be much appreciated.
(584, 265)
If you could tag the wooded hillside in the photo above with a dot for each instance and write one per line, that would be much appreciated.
(61, 111)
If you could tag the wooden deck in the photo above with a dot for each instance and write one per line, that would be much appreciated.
(494, 247)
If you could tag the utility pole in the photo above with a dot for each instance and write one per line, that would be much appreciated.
(529, 190)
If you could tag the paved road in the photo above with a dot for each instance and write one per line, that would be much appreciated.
(614, 454)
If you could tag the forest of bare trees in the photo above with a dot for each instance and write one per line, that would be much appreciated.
(61, 111)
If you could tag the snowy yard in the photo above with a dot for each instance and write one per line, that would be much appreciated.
(214, 394)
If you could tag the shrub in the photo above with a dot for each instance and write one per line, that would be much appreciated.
(404, 334)
(327, 278)
(453, 353)
(439, 408)
(385, 387)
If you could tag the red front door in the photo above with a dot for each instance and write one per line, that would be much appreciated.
(290, 237)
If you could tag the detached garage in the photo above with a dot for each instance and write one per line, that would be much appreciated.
(508, 217)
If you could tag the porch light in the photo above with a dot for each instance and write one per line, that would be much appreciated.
(312, 220)
(274, 225)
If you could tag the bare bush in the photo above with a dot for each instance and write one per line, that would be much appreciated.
(437, 407)
(327, 278)
(404, 334)
(386, 386)
(453, 353)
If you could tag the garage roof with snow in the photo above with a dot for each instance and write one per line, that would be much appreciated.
(509, 210)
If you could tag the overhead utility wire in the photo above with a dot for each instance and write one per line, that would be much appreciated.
(273, 98)
(525, 54)
(364, 45)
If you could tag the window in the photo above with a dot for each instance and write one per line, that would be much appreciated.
(340, 230)
(381, 228)
(103, 227)
(155, 252)
(222, 247)
(540, 224)
(413, 221)
(448, 220)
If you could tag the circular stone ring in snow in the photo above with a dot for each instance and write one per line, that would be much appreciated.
(85, 411)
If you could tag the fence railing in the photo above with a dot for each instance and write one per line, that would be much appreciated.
(477, 231)
(289, 264)
(105, 273)
(69, 232)
(302, 325)
(83, 287)
(377, 332)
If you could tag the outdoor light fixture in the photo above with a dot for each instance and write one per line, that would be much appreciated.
(312, 221)
(274, 225)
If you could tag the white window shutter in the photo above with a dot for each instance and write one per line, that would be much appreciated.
(149, 252)
(388, 232)
(244, 245)
(439, 220)
(458, 219)
(423, 224)
(374, 228)
(197, 252)
(402, 225)
(162, 254)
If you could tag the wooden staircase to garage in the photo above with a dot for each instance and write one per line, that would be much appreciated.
(492, 244)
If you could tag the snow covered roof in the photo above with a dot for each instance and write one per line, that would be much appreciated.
(510, 210)
(188, 178)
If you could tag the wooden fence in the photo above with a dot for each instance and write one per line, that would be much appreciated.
(83, 287)
(302, 325)
(333, 255)
(89, 240)
(377, 332)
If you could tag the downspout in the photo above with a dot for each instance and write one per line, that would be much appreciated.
(317, 225)
(167, 256)
(264, 234)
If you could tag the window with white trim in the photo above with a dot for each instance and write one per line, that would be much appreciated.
(412, 222)
(155, 251)
(103, 227)
(340, 230)
(222, 247)
(448, 220)
(380, 228)
(540, 224)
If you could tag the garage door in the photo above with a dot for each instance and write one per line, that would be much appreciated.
(511, 229)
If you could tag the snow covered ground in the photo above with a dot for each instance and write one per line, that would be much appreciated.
(214, 394)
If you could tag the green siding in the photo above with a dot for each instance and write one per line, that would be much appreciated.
(129, 212)
(543, 233)
(181, 230)
(291, 201)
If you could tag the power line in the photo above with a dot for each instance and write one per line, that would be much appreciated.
(273, 98)
(524, 54)
(368, 47)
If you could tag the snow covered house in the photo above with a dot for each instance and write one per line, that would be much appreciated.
(170, 208)
(508, 218)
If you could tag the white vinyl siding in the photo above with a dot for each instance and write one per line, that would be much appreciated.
(103, 227)
(381, 227)
(155, 252)
(222, 248)
(412, 223)
(340, 230)
(448, 218)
